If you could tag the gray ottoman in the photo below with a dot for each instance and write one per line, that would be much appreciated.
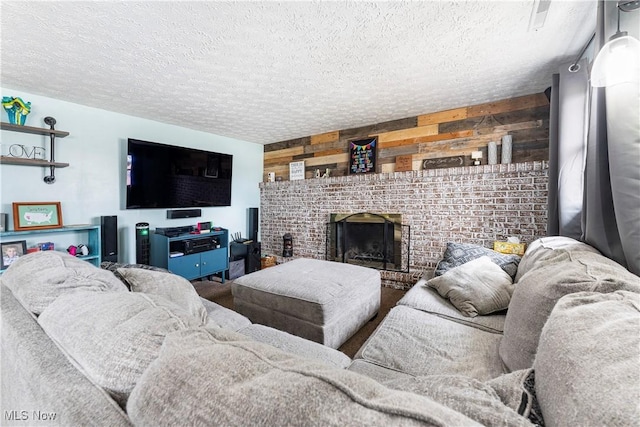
(323, 301)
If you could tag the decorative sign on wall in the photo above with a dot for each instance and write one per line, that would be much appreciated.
(296, 170)
(404, 163)
(22, 151)
(443, 162)
(362, 155)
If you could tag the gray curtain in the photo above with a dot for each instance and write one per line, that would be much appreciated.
(611, 215)
(567, 146)
(594, 158)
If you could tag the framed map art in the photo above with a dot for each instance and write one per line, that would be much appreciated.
(362, 155)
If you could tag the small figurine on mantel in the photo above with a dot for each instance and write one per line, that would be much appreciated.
(16, 109)
(317, 173)
(327, 172)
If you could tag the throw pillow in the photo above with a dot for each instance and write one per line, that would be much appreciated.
(173, 287)
(37, 279)
(457, 254)
(476, 287)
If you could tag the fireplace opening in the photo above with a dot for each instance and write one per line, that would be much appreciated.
(378, 241)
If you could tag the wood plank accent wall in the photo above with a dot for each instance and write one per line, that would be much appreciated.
(438, 135)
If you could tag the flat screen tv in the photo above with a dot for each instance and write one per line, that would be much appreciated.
(167, 176)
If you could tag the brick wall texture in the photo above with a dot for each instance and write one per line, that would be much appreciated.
(471, 204)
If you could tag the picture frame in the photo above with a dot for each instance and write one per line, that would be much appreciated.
(362, 155)
(11, 251)
(36, 215)
(296, 170)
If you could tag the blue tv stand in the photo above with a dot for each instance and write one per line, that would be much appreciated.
(166, 252)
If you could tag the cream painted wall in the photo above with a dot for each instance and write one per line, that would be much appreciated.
(93, 184)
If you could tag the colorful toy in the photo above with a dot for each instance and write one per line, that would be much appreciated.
(17, 109)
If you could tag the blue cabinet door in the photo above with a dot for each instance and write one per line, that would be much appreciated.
(187, 266)
(213, 262)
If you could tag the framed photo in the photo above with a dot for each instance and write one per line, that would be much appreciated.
(11, 251)
(362, 155)
(36, 215)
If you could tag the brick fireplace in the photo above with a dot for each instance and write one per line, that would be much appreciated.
(473, 204)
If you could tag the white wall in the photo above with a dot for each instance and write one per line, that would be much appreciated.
(93, 184)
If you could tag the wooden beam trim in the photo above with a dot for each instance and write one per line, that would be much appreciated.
(407, 133)
(513, 104)
(510, 127)
(329, 152)
(325, 137)
(429, 138)
(336, 158)
(443, 116)
(284, 152)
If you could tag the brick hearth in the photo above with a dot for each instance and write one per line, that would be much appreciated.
(473, 204)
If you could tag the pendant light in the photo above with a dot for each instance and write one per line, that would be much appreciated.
(619, 60)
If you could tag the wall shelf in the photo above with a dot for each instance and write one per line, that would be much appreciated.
(9, 160)
(22, 161)
(87, 234)
(33, 130)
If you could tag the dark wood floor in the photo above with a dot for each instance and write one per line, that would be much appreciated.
(221, 294)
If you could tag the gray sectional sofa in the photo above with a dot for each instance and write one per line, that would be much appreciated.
(84, 346)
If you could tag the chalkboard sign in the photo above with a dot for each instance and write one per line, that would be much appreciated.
(444, 162)
(362, 155)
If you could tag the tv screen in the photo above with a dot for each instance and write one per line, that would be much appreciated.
(167, 176)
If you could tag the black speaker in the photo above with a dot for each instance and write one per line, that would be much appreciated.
(142, 243)
(252, 261)
(238, 251)
(109, 231)
(253, 224)
(183, 213)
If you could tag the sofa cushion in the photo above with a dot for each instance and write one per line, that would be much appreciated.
(588, 362)
(376, 372)
(423, 298)
(37, 279)
(562, 272)
(296, 345)
(459, 253)
(113, 336)
(420, 343)
(476, 287)
(209, 376)
(476, 399)
(171, 286)
(550, 249)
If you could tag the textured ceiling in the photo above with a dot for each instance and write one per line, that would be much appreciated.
(266, 71)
